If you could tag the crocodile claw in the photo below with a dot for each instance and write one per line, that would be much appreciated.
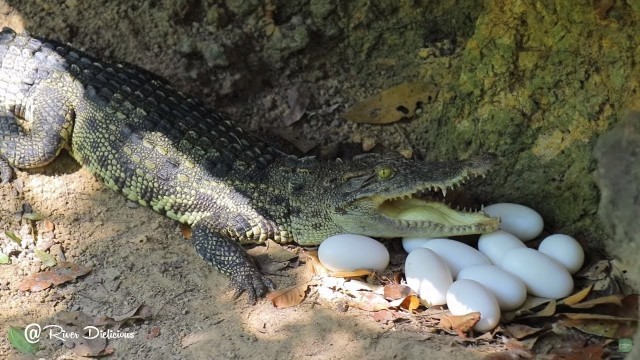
(253, 283)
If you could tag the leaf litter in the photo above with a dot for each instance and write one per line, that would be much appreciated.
(60, 274)
(593, 317)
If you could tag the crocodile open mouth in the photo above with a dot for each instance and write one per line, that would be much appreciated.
(429, 209)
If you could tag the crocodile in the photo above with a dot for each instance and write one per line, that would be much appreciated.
(172, 153)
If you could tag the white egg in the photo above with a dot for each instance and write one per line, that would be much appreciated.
(428, 276)
(519, 220)
(411, 243)
(348, 252)
(494, 245)
(543, 276)
(506, 287)
(455, 254)
(466, 296)
(565, 250)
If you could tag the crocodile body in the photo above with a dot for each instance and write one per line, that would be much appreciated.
(173, 154)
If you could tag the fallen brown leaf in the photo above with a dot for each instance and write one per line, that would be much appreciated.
(520, 331)
(153, 333)
(596, 271)
(392, 104)
(140, 312)
(461, 324)
(410, 303)
(530, 304)
(88, 345)
(591, 316)
(288, 297)
(62, 273)
(396, 291)
(614, 329)
(384, 316)
(298, 100)
(273, 257)
(48, 225)
(578, 351)
(313, 263)
(186, 231)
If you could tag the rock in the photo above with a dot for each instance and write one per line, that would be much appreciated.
(320, 9)
(242, 7)
(285, 41)
(213, 54)
(618, 155)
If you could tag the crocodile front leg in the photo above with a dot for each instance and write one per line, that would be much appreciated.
(228, 256)
(51, 117)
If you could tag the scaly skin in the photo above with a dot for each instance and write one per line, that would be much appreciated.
(171, 153)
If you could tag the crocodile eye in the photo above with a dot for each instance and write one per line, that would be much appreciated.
(384, 173)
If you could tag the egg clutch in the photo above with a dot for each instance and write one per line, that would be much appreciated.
(493, 278)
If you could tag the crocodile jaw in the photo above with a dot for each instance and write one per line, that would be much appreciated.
(417, 217)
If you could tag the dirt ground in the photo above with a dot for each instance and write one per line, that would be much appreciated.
(250, 58)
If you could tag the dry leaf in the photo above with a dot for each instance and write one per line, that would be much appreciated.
(611, 299)
(288, 297)
(140, 312)
(578, 351)
(410, 303)
(624, 271)
(461, 324)
(64, 272)
(77, 322)
(629, 307)
(547, 311)
(531, 303)
(272, 250)
(351, 274)
(186, 231)
(298, 100)
(396, 291)
(520, 331)
(273, 257)
(313, 263)
(591, 316)
(384, 316)
(153, 333)
(577, 297)
(48, 225)
(614, 329)
(391, 104)
(596, 271)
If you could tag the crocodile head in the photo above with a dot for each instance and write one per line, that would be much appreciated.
(387, 196)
